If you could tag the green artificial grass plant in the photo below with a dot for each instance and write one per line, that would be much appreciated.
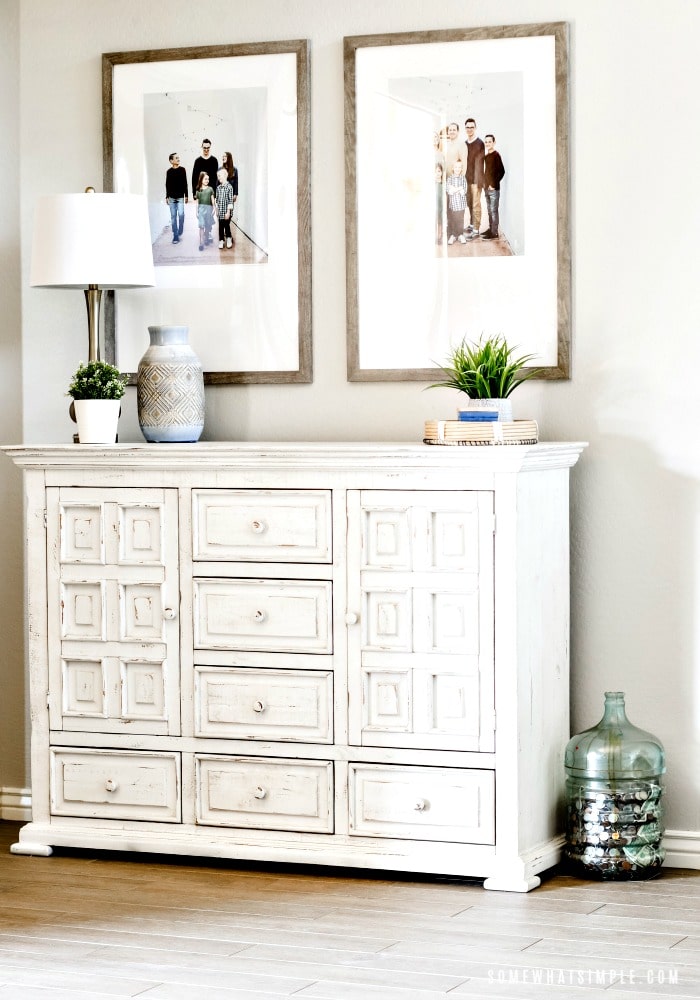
(485, 369)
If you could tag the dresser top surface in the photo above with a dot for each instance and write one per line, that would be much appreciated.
(313, 455)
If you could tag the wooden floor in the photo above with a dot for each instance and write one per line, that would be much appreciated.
(81, 924)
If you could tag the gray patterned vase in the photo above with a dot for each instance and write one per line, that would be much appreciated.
(170, 387)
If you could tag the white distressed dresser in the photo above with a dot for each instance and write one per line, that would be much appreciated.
(344, 654)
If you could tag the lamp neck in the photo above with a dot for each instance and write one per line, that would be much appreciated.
(93, 298)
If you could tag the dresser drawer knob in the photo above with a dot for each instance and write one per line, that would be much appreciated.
(260, 616)
(421, 805)
(111, 785)
(169, 614)
(260, 793)
(258, 527)
(351, 618)
(258, 707)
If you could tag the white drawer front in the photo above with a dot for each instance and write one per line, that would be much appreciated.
(422, 803)
(262, 526)
(113, 785)
(265, 794)
(280, 615)
(244, 703)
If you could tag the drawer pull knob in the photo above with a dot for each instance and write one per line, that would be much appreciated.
(351, 618)
(258, 527)
(259, 793)
(260, 616)
(169, 614)
(111, 785)
(258, 707)
(421, 805)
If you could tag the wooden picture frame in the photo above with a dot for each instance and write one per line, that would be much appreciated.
(411, 295)
(248, 306)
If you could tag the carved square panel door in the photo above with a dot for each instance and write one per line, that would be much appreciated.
(113, 600)
(420, 613)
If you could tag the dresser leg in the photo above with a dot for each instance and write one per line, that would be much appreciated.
(512, 884)
(24, 847)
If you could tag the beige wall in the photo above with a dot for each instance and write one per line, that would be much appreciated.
(635, 212)
(13, 755)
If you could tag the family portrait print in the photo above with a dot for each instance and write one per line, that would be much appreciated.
(197, 214)
(477, 200)
(456, 197)
(217, 138)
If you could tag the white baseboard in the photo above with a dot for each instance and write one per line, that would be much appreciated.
(16, 804)
(682, 849)
(682, 846)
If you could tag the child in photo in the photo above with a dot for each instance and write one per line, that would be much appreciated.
(456, 189)
(204, 196)
(224, 208)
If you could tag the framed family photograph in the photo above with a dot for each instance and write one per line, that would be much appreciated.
(457, 197)
(217, 138)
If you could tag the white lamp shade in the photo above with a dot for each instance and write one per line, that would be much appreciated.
(92, 239)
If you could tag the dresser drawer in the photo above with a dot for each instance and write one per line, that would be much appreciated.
(280, 615)
(422, 803)
(116, 785)
(265, 793)
(246, 703)
(262, 525)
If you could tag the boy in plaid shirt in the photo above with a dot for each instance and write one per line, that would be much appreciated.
(224, 208)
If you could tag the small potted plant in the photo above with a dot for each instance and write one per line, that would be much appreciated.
(487, 372)
(97, 389)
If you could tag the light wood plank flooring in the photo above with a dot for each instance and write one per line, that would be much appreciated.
(83, 924)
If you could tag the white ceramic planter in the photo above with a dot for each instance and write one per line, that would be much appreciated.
(97, 420)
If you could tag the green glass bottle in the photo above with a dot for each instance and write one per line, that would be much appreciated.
(614, 810)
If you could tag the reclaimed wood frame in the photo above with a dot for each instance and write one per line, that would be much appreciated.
(561, 336)
(300, 48)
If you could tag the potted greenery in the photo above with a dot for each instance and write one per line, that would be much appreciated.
(487, 372)
(97, 389)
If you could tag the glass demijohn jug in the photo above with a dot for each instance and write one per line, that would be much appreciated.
(614, 822)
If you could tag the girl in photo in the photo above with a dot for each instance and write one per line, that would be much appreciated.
(204, 196)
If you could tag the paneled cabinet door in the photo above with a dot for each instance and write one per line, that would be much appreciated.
(113, 598)
(420, 619)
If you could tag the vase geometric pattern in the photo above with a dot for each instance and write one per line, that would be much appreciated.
(170, 388)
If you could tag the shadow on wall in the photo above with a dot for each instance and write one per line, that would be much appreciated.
(634, 599)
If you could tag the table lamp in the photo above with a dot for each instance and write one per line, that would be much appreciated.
(92, 241)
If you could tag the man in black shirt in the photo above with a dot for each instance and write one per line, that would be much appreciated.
(176, 195)
(206, 163)
(494, 172)
(475, 178)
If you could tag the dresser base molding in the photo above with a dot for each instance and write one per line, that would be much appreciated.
(431, 858)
